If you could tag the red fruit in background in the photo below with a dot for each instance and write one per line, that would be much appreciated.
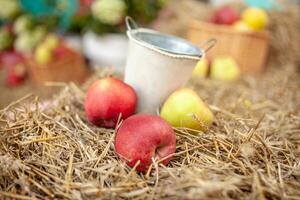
(8, 28)
(84, 7)
(108, 98)
(11, 58)
(15, 75)
(225, 15)
(14, 66)
(61, 51)
(142, 137)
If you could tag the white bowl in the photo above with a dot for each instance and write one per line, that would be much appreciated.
(107, 50)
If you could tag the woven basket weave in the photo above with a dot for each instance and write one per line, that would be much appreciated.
(71, 68)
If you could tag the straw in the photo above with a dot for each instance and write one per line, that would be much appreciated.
(251, 151)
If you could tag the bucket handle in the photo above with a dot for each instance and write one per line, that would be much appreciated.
(130, 23)
(208, 44)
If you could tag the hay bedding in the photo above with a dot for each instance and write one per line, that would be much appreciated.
(49, 150)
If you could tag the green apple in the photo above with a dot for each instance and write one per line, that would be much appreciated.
(43, 55)
(22, 23)
(39, 33)
(6, 39)
(201, 69)
(184, 108)
(256, 18)
(9, 9)
(224, 68)
(52, 41)
(25, 42)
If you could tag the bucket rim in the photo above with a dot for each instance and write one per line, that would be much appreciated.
(132, 32)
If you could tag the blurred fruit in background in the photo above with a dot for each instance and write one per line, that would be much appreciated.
(225, 15)
(14, 65)
(9, 9)
(225, 69)
(22, 23)
(202, 68)
(241, 26)
(252, 18)
(6, 38)
(16, 74)
(27, 40)
(256, 18)
(52, 41)
(109, 11)
(43, 54)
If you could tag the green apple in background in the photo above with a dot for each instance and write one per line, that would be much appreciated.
(28, 40)
(39, 33)
(201, 69)
(224, 68)
(24, 42)
(43, 55)
(22, 23)
(6, 39)
(184, 108)
(242, 26)
(52, 41)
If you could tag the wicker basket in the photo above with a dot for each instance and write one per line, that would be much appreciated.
(249, 49)
(71, 68)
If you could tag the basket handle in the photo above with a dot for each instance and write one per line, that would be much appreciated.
(209, 44)
(130, 23)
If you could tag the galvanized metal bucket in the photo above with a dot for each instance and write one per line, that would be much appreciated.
(157, 64)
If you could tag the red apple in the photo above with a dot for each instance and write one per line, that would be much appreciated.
(15, 75)
(142, 137)
(225, 15)
(61, 51)
(108, 98)
(9, 58)
(15, 68)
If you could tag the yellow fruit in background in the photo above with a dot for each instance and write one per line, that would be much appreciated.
(51, 41)
(43, 55)
(201, 69)
(224, 68)
(256, 18)
(184, 108)
(241, 26)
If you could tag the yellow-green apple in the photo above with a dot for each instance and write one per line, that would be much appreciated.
(224, 68)
(201, 69)
(52, 41)
(256, 18)
(43, 54)
(144, 137)
(241, 26)
(107, 99)
(184, 108)
(22, 23)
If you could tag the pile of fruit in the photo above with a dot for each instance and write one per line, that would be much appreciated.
(50, 49)
(222, 68)
(251, 19)
(225, 67)
(18, 39)
(142, 138)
